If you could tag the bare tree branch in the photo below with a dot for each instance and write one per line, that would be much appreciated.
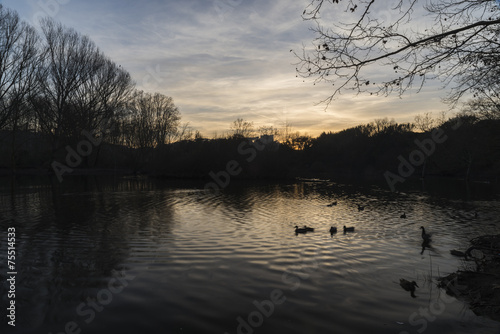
(464, 34)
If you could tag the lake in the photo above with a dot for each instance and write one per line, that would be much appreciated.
(137, 255)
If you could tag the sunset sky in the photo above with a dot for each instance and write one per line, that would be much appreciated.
(224, 59)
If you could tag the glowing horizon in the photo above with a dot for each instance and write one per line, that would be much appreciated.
(222, 60)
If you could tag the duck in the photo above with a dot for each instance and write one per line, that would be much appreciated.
(408, 286)
(348, 229)
(332, 204)
(333, 230)
(360, 208)
(425, 236)
(300, 230)
(403, 215)
(308, 229)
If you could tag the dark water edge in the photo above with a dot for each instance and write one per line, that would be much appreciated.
(414, 182)
(114, 235)
(452, 186)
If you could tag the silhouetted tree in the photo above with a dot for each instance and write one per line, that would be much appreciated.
(383, 125)
(298, 141)
(269, 131)
(425, 122)
(18, 65)
(198, 136)
(353, 37)
(101, 99)
(242, 129)
(484, 107)
(69, 61)
(184, 132)
(153, 119)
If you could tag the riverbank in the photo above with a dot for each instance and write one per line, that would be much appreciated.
(478, 283)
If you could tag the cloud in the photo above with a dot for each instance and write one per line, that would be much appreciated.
(223, 59)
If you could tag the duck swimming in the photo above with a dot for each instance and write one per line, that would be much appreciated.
(300, 230)
(403, 215)
(408, 286)
(348, 229)
(360, 208)
(308, 229)
(425, 236)
(333, 230)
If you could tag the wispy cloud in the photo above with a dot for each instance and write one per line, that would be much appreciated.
(223, 59)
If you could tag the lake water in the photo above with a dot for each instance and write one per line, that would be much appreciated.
(132, 255)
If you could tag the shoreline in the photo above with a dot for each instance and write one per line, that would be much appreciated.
(479, 287)
(345, 175)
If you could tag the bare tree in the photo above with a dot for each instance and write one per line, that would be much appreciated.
(486, 102)
(484, 108)
(19, 60)
(298, 141)
(382, 125)
(185, 132)
(242, 129)
(101, 98)
(154, 119)
(425, 122)
(459, 45)
(18, 65)
(70, 59)
(284, 135)
(198, 136)
(141, 121)
(166, 118)
(268, 131)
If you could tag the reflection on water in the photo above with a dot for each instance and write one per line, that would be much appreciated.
(137, 255)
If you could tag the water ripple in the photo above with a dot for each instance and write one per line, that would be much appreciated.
(202, 261)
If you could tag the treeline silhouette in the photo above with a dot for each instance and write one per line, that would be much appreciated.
(57, 89)
(468, 147)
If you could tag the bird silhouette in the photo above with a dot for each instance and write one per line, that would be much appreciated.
(408, 286)
(425, 236)
(403, 215)
(300, 230)
(333, 230)
(348, 229)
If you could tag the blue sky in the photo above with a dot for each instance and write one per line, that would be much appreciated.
(223, 59)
